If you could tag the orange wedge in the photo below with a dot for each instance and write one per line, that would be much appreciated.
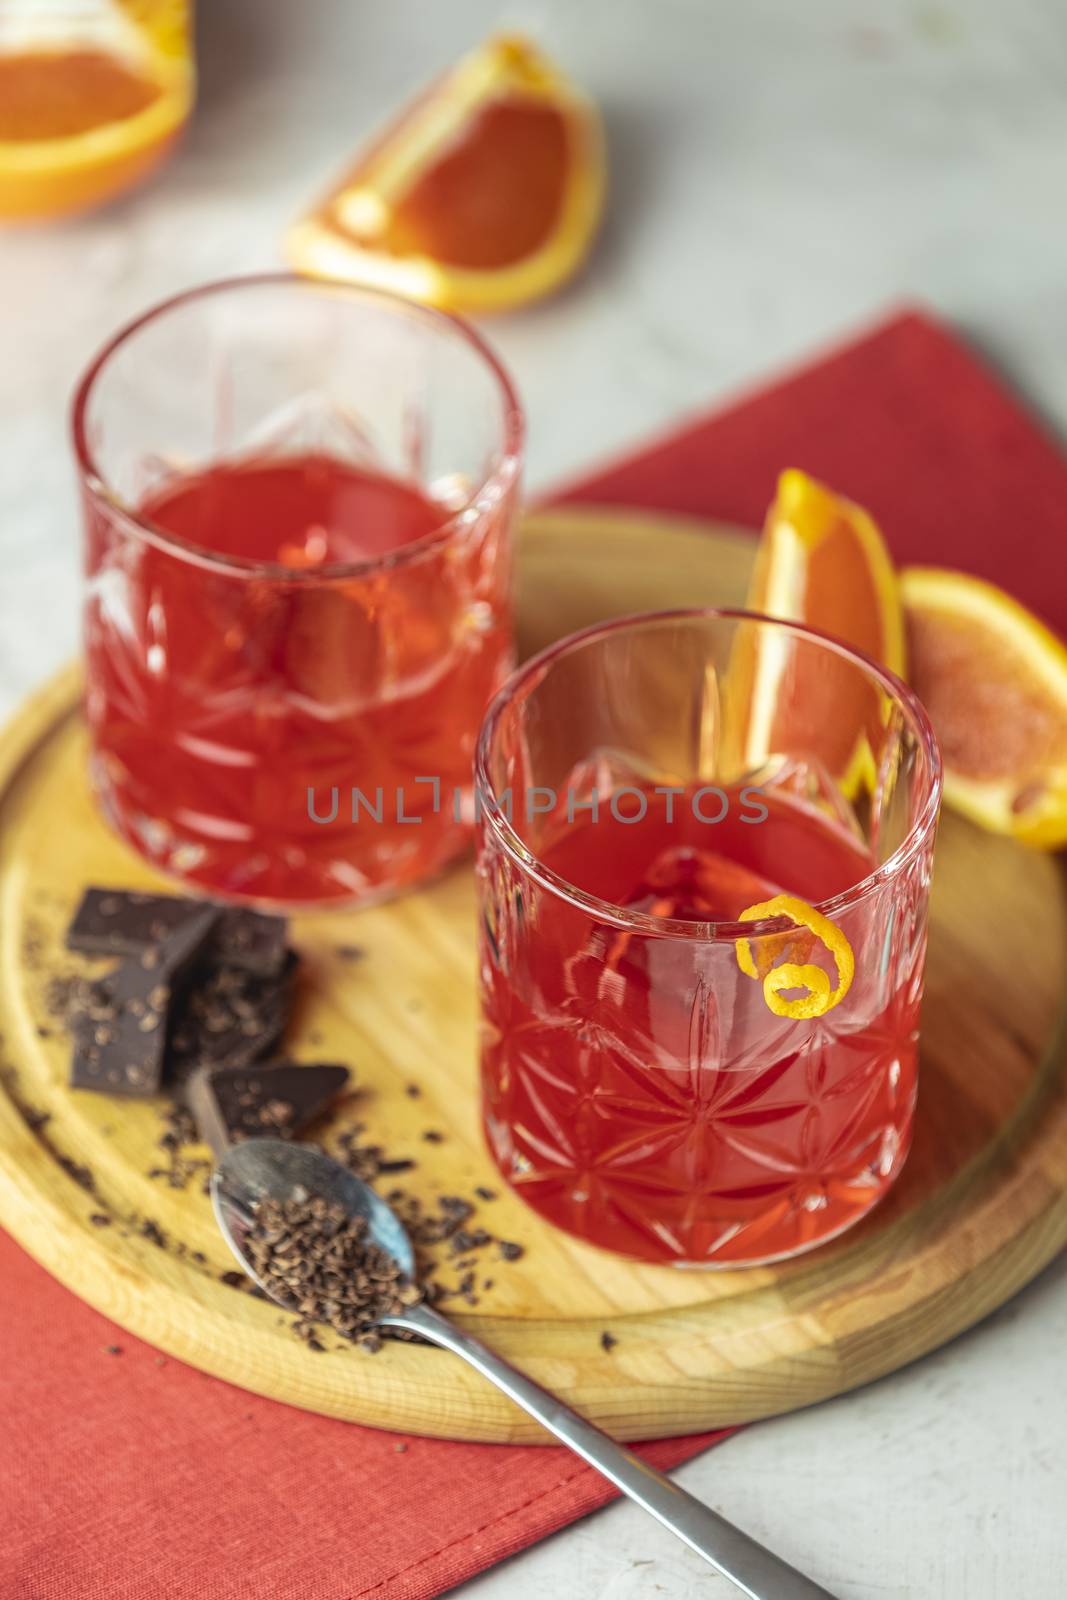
(483, 195)
(994, 680)
(821, 561)
(90, 100)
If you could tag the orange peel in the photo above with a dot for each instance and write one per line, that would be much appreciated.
(819, 997)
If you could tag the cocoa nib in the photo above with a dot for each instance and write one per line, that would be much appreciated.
(321, 1262)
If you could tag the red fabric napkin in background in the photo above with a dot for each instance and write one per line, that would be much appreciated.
(908, 422)
(127, 1476)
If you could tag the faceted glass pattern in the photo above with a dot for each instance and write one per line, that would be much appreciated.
(638, 1092)
(235, 709)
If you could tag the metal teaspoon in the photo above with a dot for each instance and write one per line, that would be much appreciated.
(261, 1169)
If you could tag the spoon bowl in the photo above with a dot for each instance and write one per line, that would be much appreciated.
(276, 1169)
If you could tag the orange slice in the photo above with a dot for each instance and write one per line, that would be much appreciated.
(90, 101)
(821, 561)
(994, 680)
(485, 194)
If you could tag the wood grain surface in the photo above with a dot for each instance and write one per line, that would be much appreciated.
(981, 1207)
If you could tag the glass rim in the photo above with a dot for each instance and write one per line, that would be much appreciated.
(481, 501)
(916, 838)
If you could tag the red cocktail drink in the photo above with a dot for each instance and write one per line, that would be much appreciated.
(664, 1074)
(300, 594)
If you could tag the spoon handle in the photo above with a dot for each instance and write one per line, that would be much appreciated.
(755, 1570)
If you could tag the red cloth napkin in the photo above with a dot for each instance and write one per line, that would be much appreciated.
(906, 421)
(124, 1476)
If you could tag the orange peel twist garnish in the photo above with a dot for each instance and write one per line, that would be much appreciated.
(820, 997)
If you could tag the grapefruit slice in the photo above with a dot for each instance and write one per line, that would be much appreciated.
(821, 561)
(484, 194)
(89, 101)
(994, 681)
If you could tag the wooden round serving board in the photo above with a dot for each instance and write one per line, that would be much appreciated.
(981, 1207)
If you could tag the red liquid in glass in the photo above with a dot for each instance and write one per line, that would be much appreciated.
(638, 1091)
(301, 511)
(231, 709)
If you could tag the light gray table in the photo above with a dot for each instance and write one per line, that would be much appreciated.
(781, 172)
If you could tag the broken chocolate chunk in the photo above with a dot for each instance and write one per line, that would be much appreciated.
(122, 922)
(231, 1018)
(275, 1101)
(256, 941)
(116, 922)
(121, 1021)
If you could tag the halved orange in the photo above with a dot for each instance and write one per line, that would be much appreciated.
(994, 680)
(822, 561)
(484, 194)
(89, 102)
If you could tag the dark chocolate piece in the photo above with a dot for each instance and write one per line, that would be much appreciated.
(119, 922)
(120, 1030)
(231, 1018)
(253, 940)
(274, 1101)
(123, 922)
